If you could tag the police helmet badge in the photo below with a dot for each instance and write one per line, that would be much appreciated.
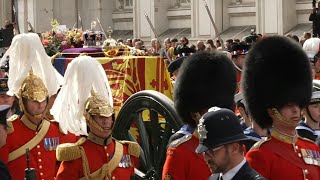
(202, 130)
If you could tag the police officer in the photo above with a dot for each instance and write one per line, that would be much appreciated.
(221, 143)
(275, 96)
(202, 83)
(96, 155)
(33, 85)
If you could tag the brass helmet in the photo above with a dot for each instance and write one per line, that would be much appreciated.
(34, 88)
(31, 73)
(97, 105)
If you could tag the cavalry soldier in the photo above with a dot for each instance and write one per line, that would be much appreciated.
(239, 52)
(275, 97)
(33, 79)
(201, 84)
(96, 155)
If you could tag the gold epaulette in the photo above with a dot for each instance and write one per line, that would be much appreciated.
(69, 151)
(9, 122)
(180, 141)
(259, 143)
(133, 148)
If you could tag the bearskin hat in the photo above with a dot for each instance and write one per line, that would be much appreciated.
(276, 72)
(205, 80)
(239, 49)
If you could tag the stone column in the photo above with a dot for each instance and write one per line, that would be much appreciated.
(107, 8)
(140, 24)
(66, 12)
(5, 12)
(23, 15)
(38, 12)
(275, 16)
(201, 26)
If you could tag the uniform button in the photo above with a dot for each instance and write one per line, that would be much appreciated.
(38, 146)
(105, 147)
(296, 147)
(113, 177)
(39, 153)
(306, 171)
(40, 167)
(41, 174)
(299, 154)
(39, 160)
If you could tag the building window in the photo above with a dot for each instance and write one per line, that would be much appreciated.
(125, 4)
(128, 4)
(183, 3)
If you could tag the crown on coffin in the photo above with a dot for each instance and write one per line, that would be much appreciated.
(93, 37)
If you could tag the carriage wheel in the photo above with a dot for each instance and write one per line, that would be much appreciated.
(155, 119)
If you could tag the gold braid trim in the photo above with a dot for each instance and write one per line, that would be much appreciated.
(283, 119)
(85, 164)
(30, 144)
(105, 171)
(69, 151)
(133, 148)
(55, 56)
(10, 125)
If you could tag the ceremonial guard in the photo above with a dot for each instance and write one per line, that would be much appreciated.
(309, 127)
(96, 155)
(239, 52)
(33, 79)
(201, 84)
(275, 97)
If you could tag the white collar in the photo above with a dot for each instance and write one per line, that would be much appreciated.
(232, 172)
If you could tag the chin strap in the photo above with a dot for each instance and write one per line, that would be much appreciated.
(283, 119)
(38, 117)
(95, 124)
(308, 112)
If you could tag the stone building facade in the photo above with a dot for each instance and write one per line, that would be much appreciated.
(171, 18)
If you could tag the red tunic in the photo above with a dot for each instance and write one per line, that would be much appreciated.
(238, 81)
(41, 158)
(273, 165)
(183, 162)
(97, 156)
(317, 76)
